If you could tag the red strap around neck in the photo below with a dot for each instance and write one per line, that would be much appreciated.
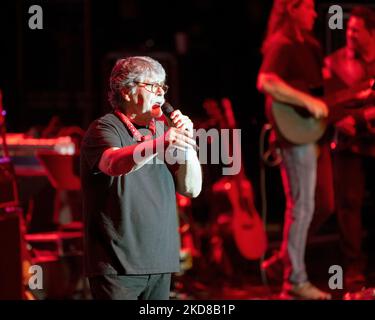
(134, 131)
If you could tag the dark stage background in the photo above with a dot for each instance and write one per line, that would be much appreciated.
(210, 50)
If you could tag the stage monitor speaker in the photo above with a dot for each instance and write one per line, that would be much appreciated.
(11, 287)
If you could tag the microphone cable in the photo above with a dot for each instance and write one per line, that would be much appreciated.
(270, 157)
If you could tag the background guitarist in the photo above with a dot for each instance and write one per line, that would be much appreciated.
(343, 69)
(292, 63)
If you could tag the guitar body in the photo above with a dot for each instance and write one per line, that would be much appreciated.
(247, 227)
(296, 124)
(248, 230)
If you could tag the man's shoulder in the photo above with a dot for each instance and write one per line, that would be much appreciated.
(337, 56)
(277, 44)
(106, 123)
(281, 41)
(109, 119)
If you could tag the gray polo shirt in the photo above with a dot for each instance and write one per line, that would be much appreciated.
(131, 224)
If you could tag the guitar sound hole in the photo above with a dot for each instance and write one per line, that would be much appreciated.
(303, 112)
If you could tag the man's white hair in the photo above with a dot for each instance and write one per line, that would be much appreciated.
(130, 70)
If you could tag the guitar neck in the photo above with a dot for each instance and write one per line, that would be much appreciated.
(232, 124)
(349, 96)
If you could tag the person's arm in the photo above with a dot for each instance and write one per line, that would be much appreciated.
(189, 173)
(279, 90)
(119, 161)
(189, 176)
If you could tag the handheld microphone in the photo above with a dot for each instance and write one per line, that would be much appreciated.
(167, 109)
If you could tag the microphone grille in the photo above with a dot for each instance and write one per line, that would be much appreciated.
(167, 108)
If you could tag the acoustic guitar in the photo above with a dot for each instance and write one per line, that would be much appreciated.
(247, 226)
(298, 126)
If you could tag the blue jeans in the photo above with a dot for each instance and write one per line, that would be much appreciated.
(298, 171)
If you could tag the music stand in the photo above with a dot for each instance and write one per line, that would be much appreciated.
(63, 174)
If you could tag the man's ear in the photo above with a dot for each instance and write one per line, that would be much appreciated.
(125, 93)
